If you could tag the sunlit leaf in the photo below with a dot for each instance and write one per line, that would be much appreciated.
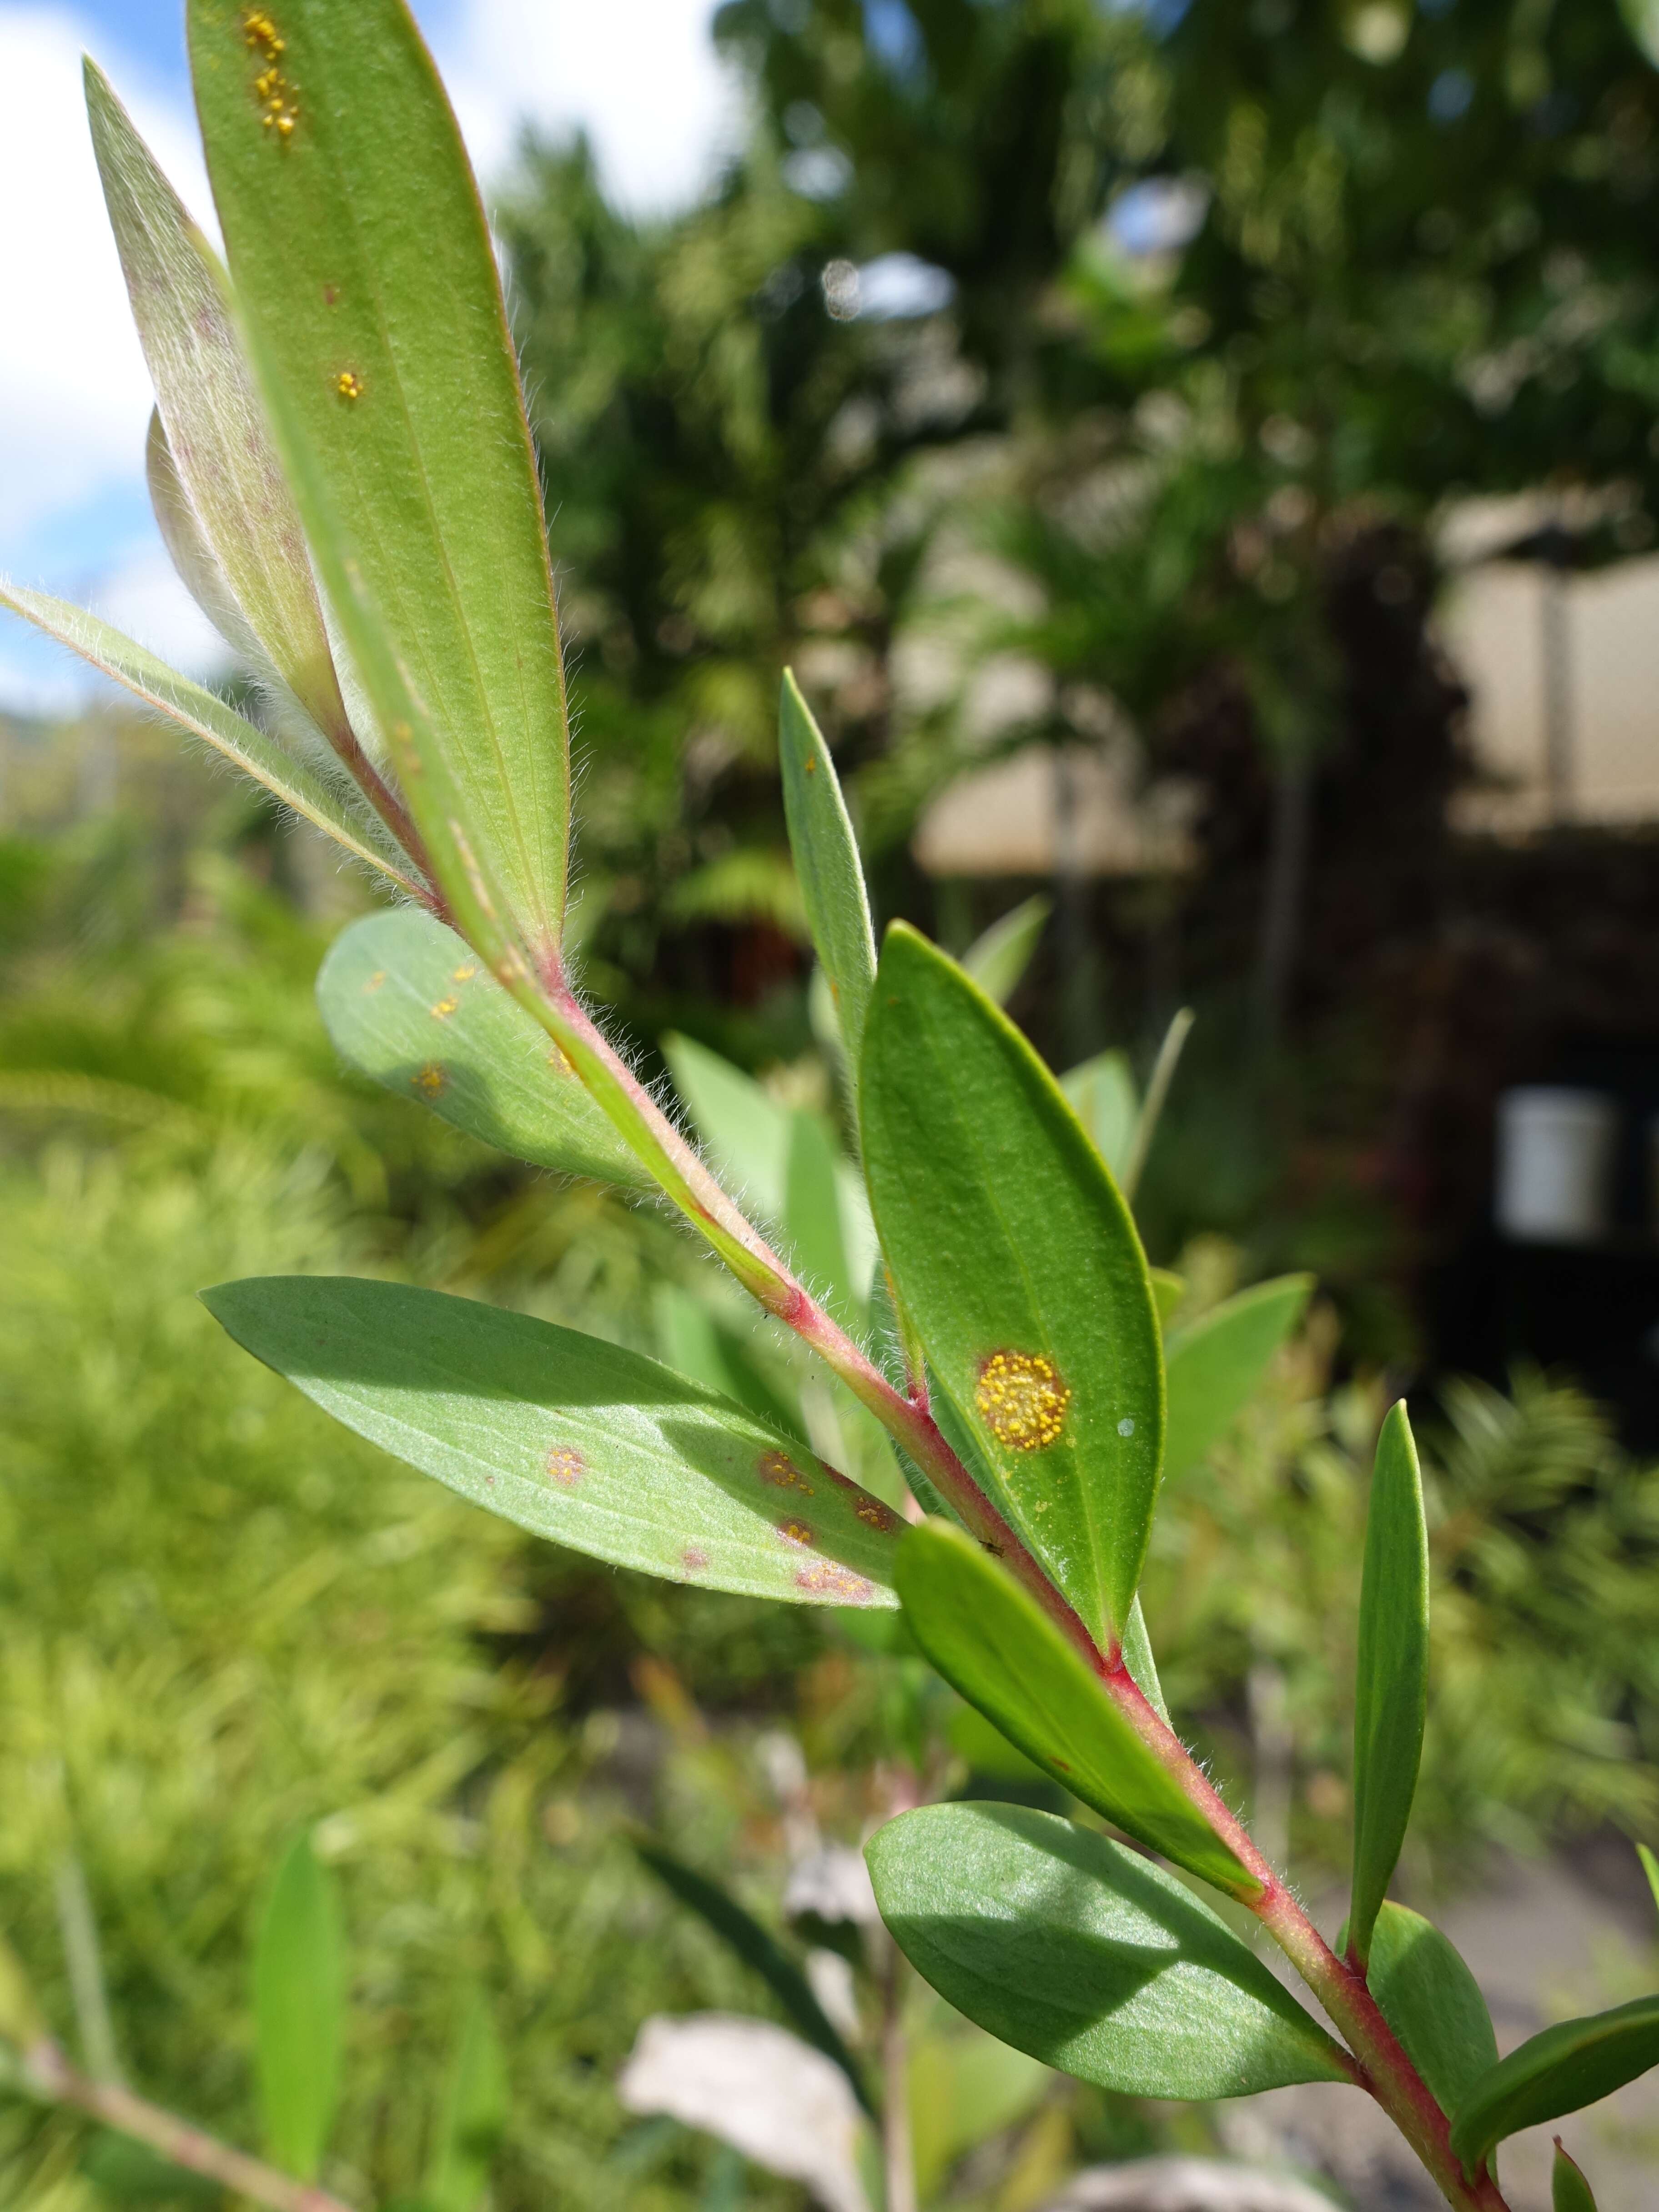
(1015, 1256)
(1432, 2001)
(362, 261)
(1565, 2068)
(200, 713)
(1391, 1674)
(576, 1440)
(299, 2011)
(998, 958)
(1088, 1956)
(1214, 1366)
(407, 1004)
(217, 449)
(828, 865)
(994, 1647)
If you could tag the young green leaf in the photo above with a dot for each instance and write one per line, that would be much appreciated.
(1569, 2191)
(217, 445)
(1104, 1098)
(1651, 1867)
(760, 1950)
(1016, 1258)
(299, 2011)
(200, 713)
(1137, 1658)
(994, 1646)
(749, 1135)
(473, 2118)
(692, 1341)
(1215, 1365)
(812, 1216)
(574, 1439)
(828, 864)
(1088, 1956)
(1001, 955)
(1169, 1291)
(362, 261)
(1156, 1098)
(409, 1006)
(1432, 2002)
(1561, 2070)
(1392, 1673)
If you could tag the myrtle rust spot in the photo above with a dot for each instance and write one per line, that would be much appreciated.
(259, 31)
(1021, 1399)
(797, 1532)
(444, 1009)
(565, 1466)
(349, 384)
(693, 1560)
(824, 1579)
(780, 1471)
(430, 1080)
(466, 972)
(559, 1064)
(812, 765)
(330, 294)
(375, 981)
(278, 110)
(875, 1515)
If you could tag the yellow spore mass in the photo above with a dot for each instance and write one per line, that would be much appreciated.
(1021, 1399)
(349, 384)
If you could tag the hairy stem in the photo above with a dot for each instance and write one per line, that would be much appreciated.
(389, 806)
(49, 2074)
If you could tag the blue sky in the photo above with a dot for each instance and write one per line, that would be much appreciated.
(74, 397)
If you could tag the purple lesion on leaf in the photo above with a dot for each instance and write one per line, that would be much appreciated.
(839, 1585)
(693, 1559)
(779, 1472)
(565, 1466)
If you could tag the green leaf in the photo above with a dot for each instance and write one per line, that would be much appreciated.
(759, 1950)
(1569, 2191)
(1016, 1258)
(828, 864)
(1088, 1956)
(1391, 1680)
(1104, 1098)
(1432, 2002)
(218, 449)
(133, 2173)
(812, 1216)
(299, 2011)
(693, 1342)
(362, 260)
(473, 2120)
(1561, 2070)
(1137, 1658)
(1216, 1365)
(574, 1439)
(201, 713)
(998, 1650)
(999, 957)
(1156, 1098)
(407, 1004)
(748, 1136)
(1651, 1867)
(1169, 1289)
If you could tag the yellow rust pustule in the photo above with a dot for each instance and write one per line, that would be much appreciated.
(1021, 1399)
(349, 384)
(279, 111)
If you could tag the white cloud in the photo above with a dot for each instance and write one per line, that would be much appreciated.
(642, 75)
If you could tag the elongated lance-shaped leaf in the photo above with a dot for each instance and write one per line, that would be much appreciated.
(1103, 1096)
(1391, 1681)
(1432, 2002)
(761, 1951)
(1565, 2068)
(1651, 1867)
(199, 566)
(473, 2118)
(998, 1650)
(408, 1006)
(828, 864)
(299, 2011)
(1569, 2191)
(361, 257)
(1214, 1367)
(200, 713)
(1090, 1957)
(999, 958)
(217, 438)
(812, 1217)
(1016, 1257)
(1137, 1658)
(1157, 1097)
(576, 1440)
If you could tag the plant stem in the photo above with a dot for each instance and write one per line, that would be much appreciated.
(49, 2074)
